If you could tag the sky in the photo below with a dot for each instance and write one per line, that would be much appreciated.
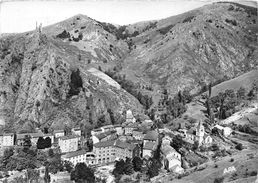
(21, 16)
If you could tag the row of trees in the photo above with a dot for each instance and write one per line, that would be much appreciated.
(148, 168)
(224, 104)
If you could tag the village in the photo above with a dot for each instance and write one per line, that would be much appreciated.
(112, 143)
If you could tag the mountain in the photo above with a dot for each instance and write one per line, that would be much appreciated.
(48, 78)
(52, 77)
(213, 43)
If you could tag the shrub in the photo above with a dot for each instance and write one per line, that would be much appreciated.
(239, 147)
(165, 30)
(215, 166)
(253, 173)
(63, 35)
(188, 19)
(232, 159)
(218, 180)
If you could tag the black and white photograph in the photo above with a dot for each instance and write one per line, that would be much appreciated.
(128, 91)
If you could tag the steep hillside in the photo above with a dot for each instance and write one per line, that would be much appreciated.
(45, 83)
(216, 42)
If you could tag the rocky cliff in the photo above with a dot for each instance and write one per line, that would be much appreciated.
(48, 82)
(214, 42)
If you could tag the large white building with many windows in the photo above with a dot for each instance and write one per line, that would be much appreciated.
(109, 151)
(80, 156)
(68, 143)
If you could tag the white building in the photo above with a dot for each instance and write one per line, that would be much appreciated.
(8, 139)
(119, 129)
(76, 131)
(80, 156)
(226, 131)
(129, 117)
(58, 133)
(68, 143)
(171, 158)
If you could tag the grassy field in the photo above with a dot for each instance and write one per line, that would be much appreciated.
(246, 80)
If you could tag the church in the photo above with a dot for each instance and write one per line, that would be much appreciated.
(196, 134)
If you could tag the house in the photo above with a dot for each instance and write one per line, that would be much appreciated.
(151, 136)
(58, 133)
(33, 137)
(171, 158)
(109, 151)
(138, 135)
(107, 128)
(196, 135)
(129, 128)
(76, 131)
(80, 156)
(96, 131)
(109, 135)
(129, 117)
(8, 139)
(226, 131)
(119, 129)
(68, 143)
(148, 149)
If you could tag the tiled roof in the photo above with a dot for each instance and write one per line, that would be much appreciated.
(76, 129)
(75, 153)
(33, 135)
(104, 134)
(115, 143)
(8, 134)
(58, 131)
(97, 130)
(151, 135)
(149, 145)
(124, 145)
(167, 149)
(105, 143)
(191, 131)
(68, 137)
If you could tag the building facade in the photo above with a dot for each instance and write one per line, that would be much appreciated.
(109, 151)
(68, 143)
(80, 156)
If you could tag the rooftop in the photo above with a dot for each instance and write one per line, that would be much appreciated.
(69, 137)
(104, 134)
(151, 135)
(149, 145)
(167, 149)
(115, 143)
(75, 153)
(58, 131)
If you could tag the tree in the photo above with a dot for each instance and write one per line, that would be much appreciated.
(177, 142)
(55, 164)
(41, 143)
(82, 173)
(153, 168)
(47, 142)
(137, 163)
(47, 176)
(241, 93)
(68, 166)
(119, 168)
(50, 152)
(128, 168)
(8, 153)
(32, 175)
(26, 143)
